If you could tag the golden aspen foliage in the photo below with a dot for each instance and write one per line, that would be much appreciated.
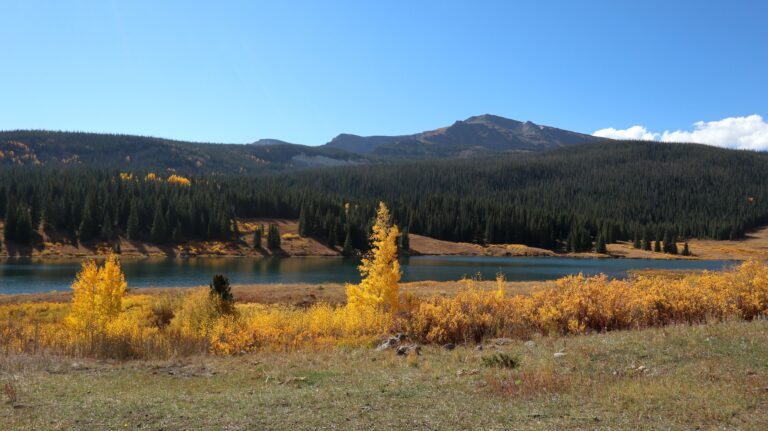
(152, 177)
(379, 288)
(97, 295)
(501, 281)
(100, 322)
(179, 180)
(126, 176)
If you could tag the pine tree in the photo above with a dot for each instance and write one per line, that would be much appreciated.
(273, 237)
(488, 235)
(24, 229)
(666, 248)
(11, 219)
(600, 245)
(347, 250)
(647, 246)
(106, 228)
(405, 242)
(178, 234)
(303, 228)
(132, 226)
(221, 294)
(257, 237)
(159, 231)
(657, 246)
(89, 226)
(332, 236)
(636, 242)
(686, 250)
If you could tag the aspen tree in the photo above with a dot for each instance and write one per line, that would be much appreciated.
(380, 269)
(97, 294)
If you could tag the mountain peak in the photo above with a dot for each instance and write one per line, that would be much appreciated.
(268, 141)
(480, 133)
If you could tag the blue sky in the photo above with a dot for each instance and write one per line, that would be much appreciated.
(234, 71)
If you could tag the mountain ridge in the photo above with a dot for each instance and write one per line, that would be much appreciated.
(475, 136)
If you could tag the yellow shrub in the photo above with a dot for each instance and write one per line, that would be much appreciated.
(579, 304)
(98, 294)
(196, 316)
(179, 180)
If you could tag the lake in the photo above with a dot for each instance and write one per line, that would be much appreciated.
(29, 276)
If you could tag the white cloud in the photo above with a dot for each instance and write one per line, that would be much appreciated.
(634, 132)
(746, 133)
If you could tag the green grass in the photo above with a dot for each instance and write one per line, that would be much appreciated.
(712, 376)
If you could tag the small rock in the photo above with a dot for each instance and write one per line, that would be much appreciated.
(449, 346)
(479, 347)
(400, 337)
(502, 341)
(463, 372)
(530, 344)
(559, 354)
(390, 343)
(406, 349)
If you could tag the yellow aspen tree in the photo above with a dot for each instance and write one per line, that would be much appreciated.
(500, 282)
(97, 295)
(380, 269)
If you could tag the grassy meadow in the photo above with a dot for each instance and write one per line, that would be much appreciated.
(712, 376)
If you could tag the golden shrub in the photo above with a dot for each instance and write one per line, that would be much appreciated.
(179, 180)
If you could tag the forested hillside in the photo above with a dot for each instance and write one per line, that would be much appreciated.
(475, 136)
(127, 152)
(577, 195)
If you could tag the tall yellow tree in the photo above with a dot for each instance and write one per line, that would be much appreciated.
(380, 269)
(98, 295)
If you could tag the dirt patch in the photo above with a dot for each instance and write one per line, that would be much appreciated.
(425, 245)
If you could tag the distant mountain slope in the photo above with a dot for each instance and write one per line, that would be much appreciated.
(147, 153)
(475, 135)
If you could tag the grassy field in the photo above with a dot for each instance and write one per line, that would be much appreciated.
(681, 377)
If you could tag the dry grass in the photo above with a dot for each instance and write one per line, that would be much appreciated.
(681, 377)
(755, 245)
(430, 246)
(301, 294)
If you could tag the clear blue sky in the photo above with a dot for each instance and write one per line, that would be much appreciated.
(236, 71)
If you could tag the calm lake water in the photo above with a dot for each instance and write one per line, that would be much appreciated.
(28, 276)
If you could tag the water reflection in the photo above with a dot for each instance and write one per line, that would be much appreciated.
(26, 275)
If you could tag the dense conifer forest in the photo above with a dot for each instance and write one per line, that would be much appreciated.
(569, 198)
